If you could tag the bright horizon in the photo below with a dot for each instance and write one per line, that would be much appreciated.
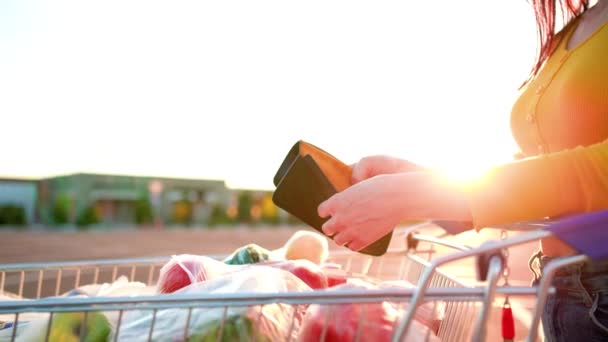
(223, 90)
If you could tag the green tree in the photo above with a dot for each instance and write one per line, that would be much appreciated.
(87, 217)
(61, 209)
(218, 216)
(245, 202)
(13, 215)
(143, 211)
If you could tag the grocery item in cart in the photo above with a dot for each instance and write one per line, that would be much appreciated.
(236, 328)
(67, 327)
(32, 326)
(301, 245)
(308, 272)
(270, 322)
(248, 254)
(363, 322)
(5, 295)
(121, 287)
(7, 321)
(185, 269)
(430, 313)
(306, 245)
(335, 274)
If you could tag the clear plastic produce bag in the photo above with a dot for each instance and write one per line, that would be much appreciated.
(270, 322)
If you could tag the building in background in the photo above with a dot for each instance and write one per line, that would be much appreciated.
(253, 206)
(18, 201)
(87, 199)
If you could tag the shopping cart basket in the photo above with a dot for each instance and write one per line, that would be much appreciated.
(464, 303)
(40, 280)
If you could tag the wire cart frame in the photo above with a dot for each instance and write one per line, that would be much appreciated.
(464, 303)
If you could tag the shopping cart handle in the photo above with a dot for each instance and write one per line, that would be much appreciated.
(587, 233)
(483, 262)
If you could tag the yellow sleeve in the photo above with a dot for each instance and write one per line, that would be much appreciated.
(570, 181)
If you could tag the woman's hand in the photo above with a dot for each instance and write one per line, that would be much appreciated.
(371, 166)
(370, 209)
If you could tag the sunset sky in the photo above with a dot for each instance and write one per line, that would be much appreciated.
(222, 89)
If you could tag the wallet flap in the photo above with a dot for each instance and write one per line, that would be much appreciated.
(293, 153)
(338, 173)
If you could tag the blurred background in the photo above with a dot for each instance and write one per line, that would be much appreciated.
(128, 113)
(137, 121)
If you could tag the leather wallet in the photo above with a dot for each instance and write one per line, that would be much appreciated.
(307, 177)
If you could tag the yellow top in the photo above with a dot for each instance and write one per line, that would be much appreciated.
(560, 123)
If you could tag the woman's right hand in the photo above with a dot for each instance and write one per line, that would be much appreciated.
(371, 166)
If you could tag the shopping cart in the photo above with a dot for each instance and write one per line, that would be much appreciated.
(39, 280)
(586, 233)
(417, 262)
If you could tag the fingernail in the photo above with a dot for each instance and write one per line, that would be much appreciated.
(321, 209)
(326, 229)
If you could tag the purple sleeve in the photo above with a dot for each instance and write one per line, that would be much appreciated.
(587, 233)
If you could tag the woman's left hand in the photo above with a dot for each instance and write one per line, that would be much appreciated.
(366, 211)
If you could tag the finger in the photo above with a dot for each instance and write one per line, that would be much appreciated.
(343, 238)
(332, 227)
(357, 245)
(327, 208)
(363, 236)
(359, 173)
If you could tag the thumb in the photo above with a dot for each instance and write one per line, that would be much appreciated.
(360, 173)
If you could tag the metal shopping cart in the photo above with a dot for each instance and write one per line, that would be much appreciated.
(417, 262)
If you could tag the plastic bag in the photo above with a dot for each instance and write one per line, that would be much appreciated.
(121, 287)
(270, 322)
(305, 270)
(373, 322)
(5, 295)
(429, 314)
(335, 274)
(185, 269)
(7, 321)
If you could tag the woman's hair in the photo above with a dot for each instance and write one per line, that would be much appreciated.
(545, 12)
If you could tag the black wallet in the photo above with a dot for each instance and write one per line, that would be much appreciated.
(307, 177)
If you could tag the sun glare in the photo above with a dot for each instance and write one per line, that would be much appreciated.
(464, 172)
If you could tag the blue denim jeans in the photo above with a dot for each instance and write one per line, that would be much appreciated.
(579, 309)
